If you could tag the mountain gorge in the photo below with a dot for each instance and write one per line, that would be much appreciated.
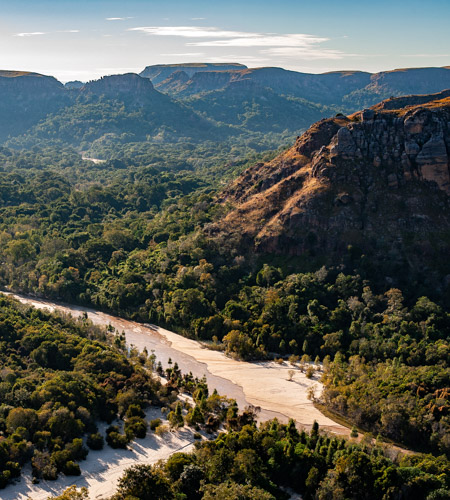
(350, 89)
(334, 249)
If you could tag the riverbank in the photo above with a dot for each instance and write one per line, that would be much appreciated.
(267, 385)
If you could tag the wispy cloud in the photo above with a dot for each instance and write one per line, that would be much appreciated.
(305, 53)
(189, 31)
(117, 18)
(264, 40)
(34, 33)
(425, 55)
(198, 18)
(298, 45)
(38, 33)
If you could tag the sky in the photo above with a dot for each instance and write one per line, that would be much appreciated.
(86, 39)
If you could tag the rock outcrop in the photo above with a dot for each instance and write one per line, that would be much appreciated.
(160, 72)
(377, 180)
(130, 85)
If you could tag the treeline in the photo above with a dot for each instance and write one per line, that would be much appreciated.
(274, 461)
(138, 246)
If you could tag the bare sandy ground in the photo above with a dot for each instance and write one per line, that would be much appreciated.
(102, 469)
(264, 384)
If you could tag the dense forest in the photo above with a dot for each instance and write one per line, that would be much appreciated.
(128, 236)
(273, 461)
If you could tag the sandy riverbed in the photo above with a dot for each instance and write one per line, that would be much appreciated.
(264, 384)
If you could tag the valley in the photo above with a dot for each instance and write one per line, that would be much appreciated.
(265, 385)
(210, 247)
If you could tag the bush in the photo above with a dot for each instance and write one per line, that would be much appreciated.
(71, 469)
(135, 427)
(95, 441)
(135, 411)
(156, 422)
(161, 430)
(310, 371)
(116, 440)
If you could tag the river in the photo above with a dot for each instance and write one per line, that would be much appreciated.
(262, 384)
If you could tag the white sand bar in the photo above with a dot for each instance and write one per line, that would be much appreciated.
(264, 384)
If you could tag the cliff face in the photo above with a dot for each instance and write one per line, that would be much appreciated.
(411, 80)
(159, 72)
(348, 89)
(199, 82)
(377, 180)
(400, 82)
(132, 86)
(26, 98)
(326, 88)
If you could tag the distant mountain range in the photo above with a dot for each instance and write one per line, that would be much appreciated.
(348, 88)
(194, 101)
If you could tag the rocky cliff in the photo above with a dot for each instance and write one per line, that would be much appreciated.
(350, 90)
(326, 88)
(376, 182)
(159, 72)
(26, 98)
(128, 86)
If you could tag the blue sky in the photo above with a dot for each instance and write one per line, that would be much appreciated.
(85, 39)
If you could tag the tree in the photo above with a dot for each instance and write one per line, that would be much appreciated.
(176, 417)
(234, 491)
(145, 482)
(72, 493)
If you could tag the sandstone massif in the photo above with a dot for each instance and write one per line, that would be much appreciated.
(349, 89)
(375, 185)
(202, 101)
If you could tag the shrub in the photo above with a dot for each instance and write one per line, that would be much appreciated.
(161, 430)
(135, 427)
(95, 441)
(135, 411)
(116, 440)
(71, 469)
(156, 422)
